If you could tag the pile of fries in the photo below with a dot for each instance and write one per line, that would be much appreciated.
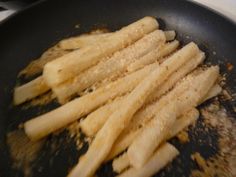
(147, 91)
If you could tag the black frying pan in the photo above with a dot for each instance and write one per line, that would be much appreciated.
(27, 34)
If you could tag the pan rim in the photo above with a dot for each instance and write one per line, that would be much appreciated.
(197, 4)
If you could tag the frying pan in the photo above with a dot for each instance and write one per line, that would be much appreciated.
(27, 34)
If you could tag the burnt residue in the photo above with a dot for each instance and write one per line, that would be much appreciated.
(201, 141)
(106, 170)
(59, 151)
(23, 151)
(21, 113)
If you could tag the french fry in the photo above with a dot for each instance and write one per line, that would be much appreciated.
(83, 41)
(143, 146)
(170, 35)
(96, 119)
(105, 138)
(70, 65)
(30, 90)
(163, 155)
(112, 67)
(153, 56)
(120, 163)
(45, 124)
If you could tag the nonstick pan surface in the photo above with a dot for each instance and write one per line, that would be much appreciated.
(27, 34)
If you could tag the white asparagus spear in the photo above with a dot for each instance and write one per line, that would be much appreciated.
(163, 126)
(30, 90)
(145, 115)
(183, 122)
(143, 146)
(215, 90)
(36, 66)
(105, 138)
(72, 43)
(132, 131)
(160, 135)
(120, 163)
(124, 140)
(163, 155)
(156, 132)
(94, 121)
(112, 67)
(45, 124)
(38, 86)
(177, 75)
(90, 39)
(70, 65)
(129, 134)
(170, 35)
(103, 141)
(115, 65)
(153, 56)
(84, 41)
(122, 143)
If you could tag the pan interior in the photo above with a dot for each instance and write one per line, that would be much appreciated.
(26, 35)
